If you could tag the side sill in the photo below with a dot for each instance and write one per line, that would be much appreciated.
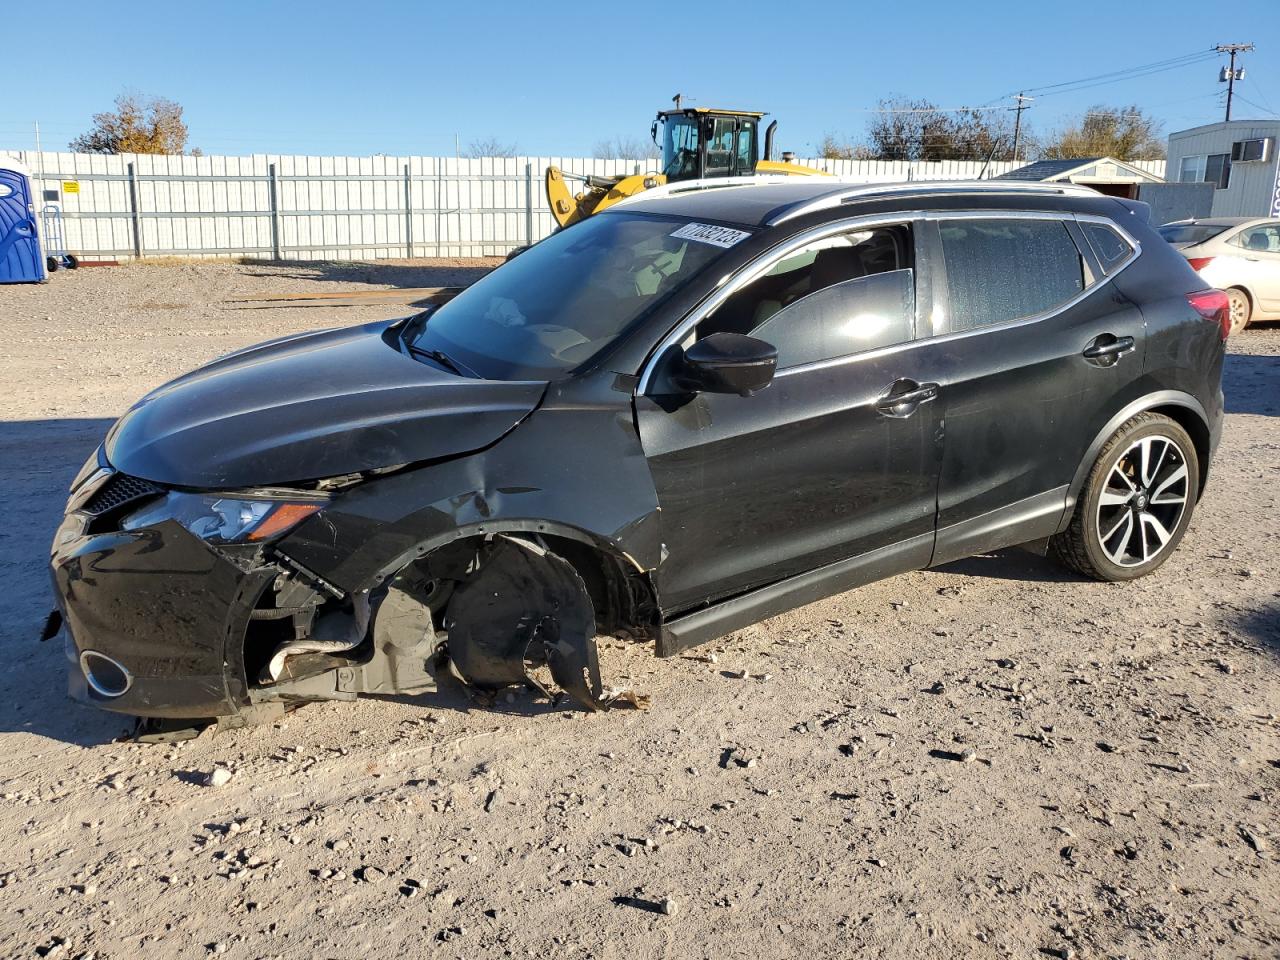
(1030, 519)
(738, 612)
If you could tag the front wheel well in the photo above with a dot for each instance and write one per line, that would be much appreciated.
(623, 597)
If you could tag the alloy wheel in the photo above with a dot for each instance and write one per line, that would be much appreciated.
(1143, 501)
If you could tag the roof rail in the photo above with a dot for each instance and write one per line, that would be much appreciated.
(927, 188)
(713, 183)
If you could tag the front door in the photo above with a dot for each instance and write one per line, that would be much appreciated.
(837, 458)
(19, 243)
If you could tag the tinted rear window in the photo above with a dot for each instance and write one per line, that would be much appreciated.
(1190, 232)
(1000, 270)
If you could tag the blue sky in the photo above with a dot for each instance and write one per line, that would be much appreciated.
(406, 78)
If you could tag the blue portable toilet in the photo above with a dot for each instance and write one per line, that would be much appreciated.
(20, 259)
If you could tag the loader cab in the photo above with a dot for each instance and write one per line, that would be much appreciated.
(698, 143)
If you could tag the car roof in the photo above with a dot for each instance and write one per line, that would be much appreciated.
(765, 201)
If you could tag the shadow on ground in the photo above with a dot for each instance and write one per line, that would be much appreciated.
(38, 459)
(430, 273)
(1013, 564)
(1248, 382)
(1262, 625)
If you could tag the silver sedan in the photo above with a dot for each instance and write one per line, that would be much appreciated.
(1240, 255)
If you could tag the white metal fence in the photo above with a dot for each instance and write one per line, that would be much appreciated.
(339, 208)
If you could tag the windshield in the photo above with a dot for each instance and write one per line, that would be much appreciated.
(564, 300)
(680, 148)
(1191, 232)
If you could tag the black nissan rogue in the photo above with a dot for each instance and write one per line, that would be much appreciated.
(690, 412)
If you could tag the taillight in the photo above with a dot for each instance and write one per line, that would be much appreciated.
(1213, 305)
(1199, 263)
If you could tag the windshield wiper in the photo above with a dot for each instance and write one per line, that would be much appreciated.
(442, 358)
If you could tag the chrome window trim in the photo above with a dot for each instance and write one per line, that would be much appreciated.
(767, 259)
(878, 191)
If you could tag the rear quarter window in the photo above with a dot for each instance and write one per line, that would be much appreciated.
(1109, 247)
(1008, 269)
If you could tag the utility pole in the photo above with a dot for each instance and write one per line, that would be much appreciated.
(1022, 104)
(1230, 74)
(39, 155)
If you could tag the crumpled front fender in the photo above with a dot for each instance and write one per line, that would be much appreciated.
(574, 468)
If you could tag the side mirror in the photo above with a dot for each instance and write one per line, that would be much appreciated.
(728, 363)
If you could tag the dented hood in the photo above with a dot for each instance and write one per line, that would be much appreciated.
(311, 406)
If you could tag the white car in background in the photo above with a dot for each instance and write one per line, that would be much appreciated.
(1240, 255)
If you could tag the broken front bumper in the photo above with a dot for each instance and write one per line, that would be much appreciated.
(160, 623)
(163, 607)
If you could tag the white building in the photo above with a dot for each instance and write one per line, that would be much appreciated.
(1238, 157)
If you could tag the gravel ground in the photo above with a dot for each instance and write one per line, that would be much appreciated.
(994, 759)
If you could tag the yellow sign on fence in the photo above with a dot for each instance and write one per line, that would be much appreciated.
(70, 186)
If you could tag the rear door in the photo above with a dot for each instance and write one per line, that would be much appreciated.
(19, 243)
(820, 466)
(1038, 352)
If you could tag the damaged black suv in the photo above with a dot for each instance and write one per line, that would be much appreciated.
(690, 412)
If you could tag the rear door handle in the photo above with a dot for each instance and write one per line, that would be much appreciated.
(1108, 349)
(904, 396)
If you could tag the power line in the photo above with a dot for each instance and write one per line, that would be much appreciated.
(1133, 76)
(922, 109)
(1127, 73)
(1257, 89)
(1241, 97)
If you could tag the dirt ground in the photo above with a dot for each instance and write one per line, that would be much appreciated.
(1122, 802)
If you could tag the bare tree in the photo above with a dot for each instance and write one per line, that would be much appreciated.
(489, 147)
(907, 129)
(137, 125)
(1125, 133)
(624, 148)
(831, 148)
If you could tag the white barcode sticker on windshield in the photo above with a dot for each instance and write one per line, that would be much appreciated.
(710, 233)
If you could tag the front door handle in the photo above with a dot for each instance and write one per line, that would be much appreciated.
(1107, 349)
(903, 398)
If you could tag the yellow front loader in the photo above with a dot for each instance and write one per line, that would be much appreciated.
(698, 143)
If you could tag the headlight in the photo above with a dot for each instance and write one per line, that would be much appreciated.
(223, 519)
(91, 466)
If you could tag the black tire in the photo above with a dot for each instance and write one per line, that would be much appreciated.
(51, 264)
(1241, 308)
(1086, 547)
(72, 262)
